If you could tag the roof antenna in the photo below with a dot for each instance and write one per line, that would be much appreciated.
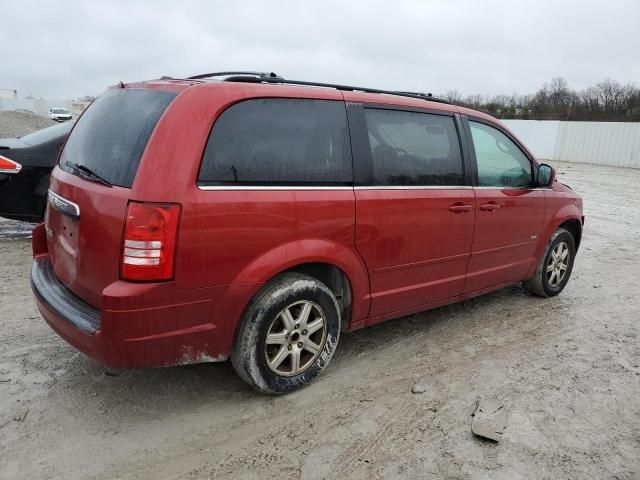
(121, 85)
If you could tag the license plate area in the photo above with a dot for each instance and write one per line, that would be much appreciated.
(62, 225)
(64, 232)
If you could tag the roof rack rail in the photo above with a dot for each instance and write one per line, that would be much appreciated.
(271, 77)
(420, 94)
(351, 88)
(227, 74)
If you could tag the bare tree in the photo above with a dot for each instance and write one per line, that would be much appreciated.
(475, 101)
(453, 96)
(631, 99)
(556, 99)
(559, 93)
(609, 92)
(590, 99)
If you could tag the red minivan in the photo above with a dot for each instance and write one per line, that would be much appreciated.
(250, 217)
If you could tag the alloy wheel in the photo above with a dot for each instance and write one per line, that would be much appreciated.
(558, 264)
(295, 338)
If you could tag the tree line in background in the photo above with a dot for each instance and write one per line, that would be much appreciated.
(606, 101)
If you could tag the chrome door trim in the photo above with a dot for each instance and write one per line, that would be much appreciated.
(364, 187)
(484, 187)
(64, 206)
(270, 187)
(414, 187)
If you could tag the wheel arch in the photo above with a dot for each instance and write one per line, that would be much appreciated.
(334, 264)
(568, 217)
(337, 281)
(574, 226)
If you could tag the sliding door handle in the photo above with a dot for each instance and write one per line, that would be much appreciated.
(460, 207)
(491, 206)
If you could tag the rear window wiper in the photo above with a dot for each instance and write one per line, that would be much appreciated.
(87, 173)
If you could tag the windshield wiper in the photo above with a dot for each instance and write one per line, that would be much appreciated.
(87, 173)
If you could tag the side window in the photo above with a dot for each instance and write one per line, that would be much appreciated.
(500, 162)
(412, 148)
(279, 142)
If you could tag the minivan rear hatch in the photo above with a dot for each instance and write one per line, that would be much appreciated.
(91, 188)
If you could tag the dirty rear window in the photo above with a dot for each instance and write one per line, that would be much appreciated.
(112, 134)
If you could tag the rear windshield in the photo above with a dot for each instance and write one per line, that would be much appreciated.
(112, 134)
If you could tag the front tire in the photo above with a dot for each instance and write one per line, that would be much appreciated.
(555, 266)
(287, 335)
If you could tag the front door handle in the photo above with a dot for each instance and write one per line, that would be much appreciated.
(491, 206)
(460, 207)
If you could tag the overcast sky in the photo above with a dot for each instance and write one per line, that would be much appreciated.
(59, 49)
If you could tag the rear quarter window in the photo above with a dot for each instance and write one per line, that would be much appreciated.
(279, 142)
(110, 137)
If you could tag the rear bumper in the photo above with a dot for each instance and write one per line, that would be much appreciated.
(131, 338)
(58, 299)
(140, 325)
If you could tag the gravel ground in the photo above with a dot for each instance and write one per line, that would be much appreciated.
(16, 124)
(567, 368)
(14, 230)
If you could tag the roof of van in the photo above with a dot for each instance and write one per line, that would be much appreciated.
(318, 91)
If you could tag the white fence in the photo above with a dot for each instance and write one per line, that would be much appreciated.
(605, 143)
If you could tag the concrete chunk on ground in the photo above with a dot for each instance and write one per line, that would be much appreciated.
(418, 388)
(489, 420)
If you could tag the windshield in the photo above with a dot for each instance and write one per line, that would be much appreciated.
(59, 131)
(60, 110)
(110, 137)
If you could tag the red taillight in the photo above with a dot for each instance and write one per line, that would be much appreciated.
(150, 241)
(9, 166)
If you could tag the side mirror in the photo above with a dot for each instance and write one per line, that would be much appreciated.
(546, 175)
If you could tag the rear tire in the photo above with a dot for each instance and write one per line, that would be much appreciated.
(555, 266)
(287, 335)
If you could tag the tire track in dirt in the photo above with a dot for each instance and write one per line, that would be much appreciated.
(369, 446)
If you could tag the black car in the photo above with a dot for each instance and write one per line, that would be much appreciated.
(25, 166)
